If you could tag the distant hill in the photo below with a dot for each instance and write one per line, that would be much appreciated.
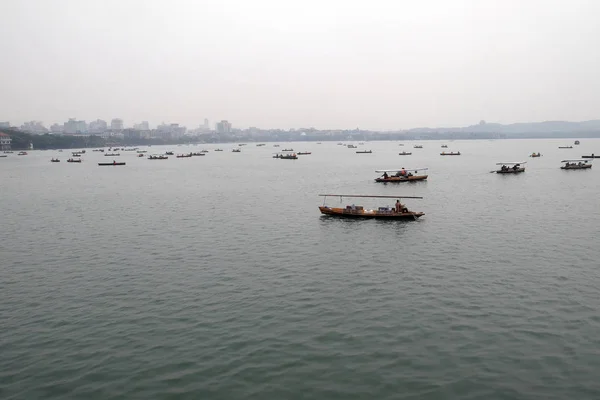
(537, 128)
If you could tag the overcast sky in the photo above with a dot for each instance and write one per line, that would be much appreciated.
(325, 63)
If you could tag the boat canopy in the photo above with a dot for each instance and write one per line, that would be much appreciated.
(511, 163)
(371, 196)
(398, 170)
(582, 160)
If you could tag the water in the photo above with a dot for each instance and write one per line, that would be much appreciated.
(216, 277)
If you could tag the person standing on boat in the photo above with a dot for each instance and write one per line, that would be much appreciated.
(385, 175)
(398, 206)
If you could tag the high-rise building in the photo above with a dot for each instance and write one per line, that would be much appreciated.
(56, 128)
(143, 126)
(206, 126)
(73, 126)
(98, 126)
(35, 127)
(223, 127)
(116, 124)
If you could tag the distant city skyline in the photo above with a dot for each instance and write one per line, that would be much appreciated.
(381, 65)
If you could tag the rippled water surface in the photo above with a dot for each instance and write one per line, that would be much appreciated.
(216, 277)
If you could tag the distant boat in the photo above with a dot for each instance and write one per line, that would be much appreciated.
(169, 153)
(418, 146)
(198, 154)
(114, 163)
(535, 155)
(236, 151)
(287, 150)
(444, 146)
(157, 157)
(443, 153)
(401, 175)
(364, 152)
(565, 147)
(404, 153)
(189, 155)
(22, 153)
(304, 153)
(352, 211)
(55, 160)
(286, 156)
(73, 160)
(511, 167)
(576, 164)
(351, 146)
(218, 149)
(112, 155)
(590, 156)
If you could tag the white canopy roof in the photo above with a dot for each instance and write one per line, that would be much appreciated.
(511, 163)
(398, 170)
(582, 160)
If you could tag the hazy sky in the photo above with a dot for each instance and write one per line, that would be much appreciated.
(328, 64)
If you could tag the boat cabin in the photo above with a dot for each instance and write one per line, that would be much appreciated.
(576, 164)
(401, 175)
(397, 211)
(511, 167)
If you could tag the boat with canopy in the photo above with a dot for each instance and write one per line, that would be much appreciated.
(286, 156)
(398, 211)
(511, 167)
(576, 164)
(404, 153)
(443, 153)
(401, 175)
(364, 152)
(534, 155)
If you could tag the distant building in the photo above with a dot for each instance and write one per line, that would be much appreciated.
(116, 124)
(4, 124)
(143, 126)
(131, 134)
(170, 131)
(56, 128)
(35, 127)
(73, 127)
(98, 126)
(206, 126)
(5, 141)
(223, 127)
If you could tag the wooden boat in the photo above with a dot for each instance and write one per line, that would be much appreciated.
(73, 160)
(112, 155)
(141, 151)
(565, 147)
(204, 151)
(351, 146)
(156, 157)
(22, 153)
(198, 154)
(218, 149)
(275, 145)
(576, 164)
(443, 153)
(364, 152)
(236, 151)
(114, 163)
(184, 155)
(535, 155)
(287, 150)
(3, 156)
(590, 156)
(304, 153)
(400, 175)
(511, 167)
(417, 146)
(55, 160)
(102, 150)
(404, 153)
(288, 156)
(400, 212)
(169, 153)
(444, 146)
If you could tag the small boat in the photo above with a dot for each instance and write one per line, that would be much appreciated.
(443, 153)
(351, 146)
(169, 153)
(444, 146)
(242, 144)
(22, 153)
(275, 145)
(340, 143)
(418, 146)
(287, 156)
(535, 155)
(10, 152)
(141, 151)
(399, 212)
(102, 150)
(260, 144)
(73, 160)
(511, 167)
(218, 149)
(401, 175)
(236, 151)
(76, 155)
(404, 153)
(55, 160)
(112, 155)
(304, 153)
(287, 150)
(576, 164)
(590, 156)
(577, 142)
(3, 156)
(156, 157)
(198, 154)
(114, 163)
(184, 155)
(565, 147)
(401, 144)
(140, 155)
(364, 152)
(204, 151)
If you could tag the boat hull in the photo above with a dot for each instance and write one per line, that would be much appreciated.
(402, 178)
(449, 154)
(109, 164)
(588, 166)
(369, 214)
(511, 171)
(404, 154)
(592, 156)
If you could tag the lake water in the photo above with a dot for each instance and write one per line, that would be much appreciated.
(216, 277)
